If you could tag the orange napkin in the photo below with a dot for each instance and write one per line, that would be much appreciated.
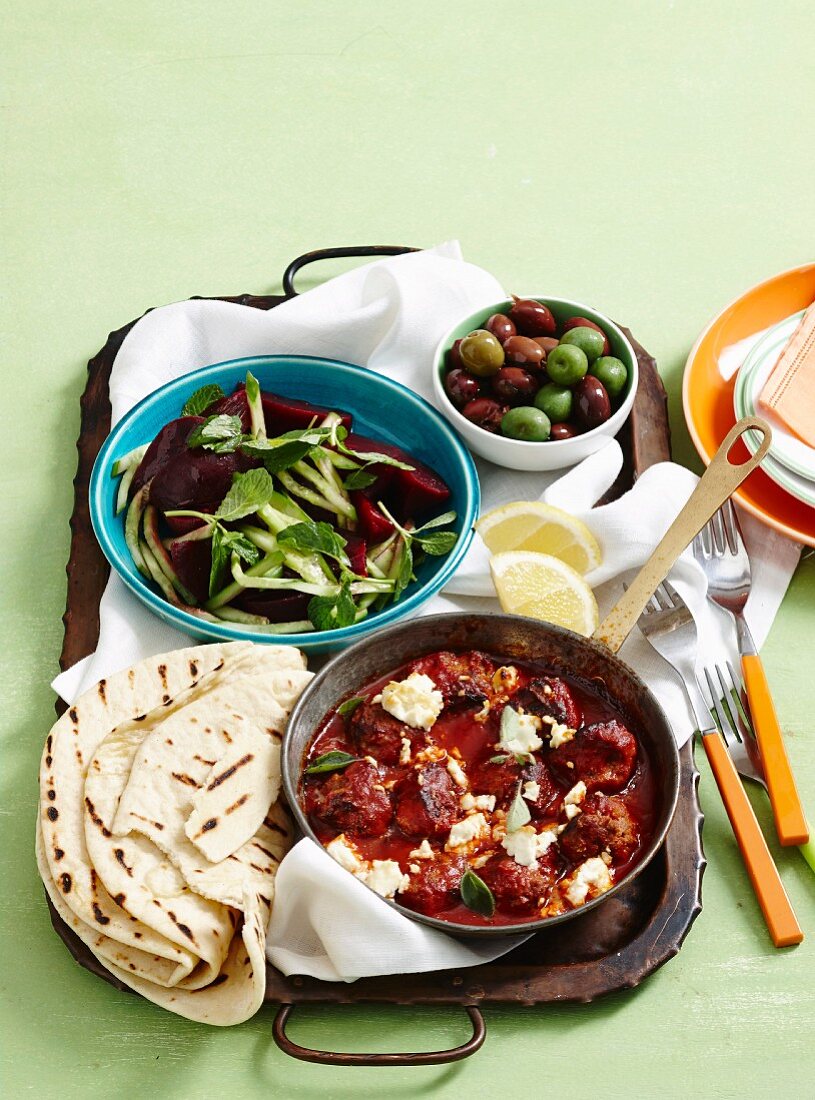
(789, 392)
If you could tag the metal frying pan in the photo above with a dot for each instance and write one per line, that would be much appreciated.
(591, 660)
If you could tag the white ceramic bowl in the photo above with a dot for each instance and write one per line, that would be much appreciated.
(518, 454)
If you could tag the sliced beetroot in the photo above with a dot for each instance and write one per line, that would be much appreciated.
(197, 479)
(192, 560)
(410, 494)
(372, 523)
(284, 414)
(170, 442)
(356, 548)
(182, 525)
(234, 404)
(277, 607)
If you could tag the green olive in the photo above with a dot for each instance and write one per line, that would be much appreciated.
(481, 353)
(610, 371)
(526, 423)
(589, 342)
(566, 364)
(555, 401)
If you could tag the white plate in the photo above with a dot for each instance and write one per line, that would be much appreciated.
(786, 450)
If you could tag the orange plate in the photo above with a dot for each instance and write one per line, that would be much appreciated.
(707, 396)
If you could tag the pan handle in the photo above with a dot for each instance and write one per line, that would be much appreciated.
(338, 253)
(719, 481)
(419, 1058)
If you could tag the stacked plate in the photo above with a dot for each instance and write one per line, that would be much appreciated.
(724, 375)
(790, 463)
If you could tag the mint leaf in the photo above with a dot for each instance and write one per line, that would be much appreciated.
(285, 450)
(242, 546)
(320, 538)
(360, 479)
(437, 542)
(350, 705)
(476, 895)
(220, 557)
(372, 456)
(439, 521)
(332, 612)
(202, 399)
(330, 762)
(518, 813)
(249, 492)
(219, 433)
(405, 573)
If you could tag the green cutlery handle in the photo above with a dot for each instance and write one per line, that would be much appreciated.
(808, 850)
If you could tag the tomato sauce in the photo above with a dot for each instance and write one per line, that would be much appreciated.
(401, 790)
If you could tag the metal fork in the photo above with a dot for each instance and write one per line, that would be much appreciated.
(669, 626)
(719, 548)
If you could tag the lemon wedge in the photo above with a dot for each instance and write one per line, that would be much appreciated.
(542, 528)
(544, 587)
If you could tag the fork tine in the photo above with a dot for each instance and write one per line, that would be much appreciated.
(717, 522)
(675, 598)
(741, 700)
(727, 703)
(722, 719)
(663, 603)
(730, 527)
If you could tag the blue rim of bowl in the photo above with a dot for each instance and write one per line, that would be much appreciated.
(552, 444)
(325, 639)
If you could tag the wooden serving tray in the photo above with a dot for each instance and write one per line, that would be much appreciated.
(614, 947)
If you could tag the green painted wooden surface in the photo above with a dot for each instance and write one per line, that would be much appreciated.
(653, 158)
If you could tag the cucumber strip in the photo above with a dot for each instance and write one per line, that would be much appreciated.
(163, 559)
(301, 627)
(310, 567)
(132, 525)
(257, 419)
(337, 497)
(303, 491)
(262, 539)
(234, 615)
(130, 461)
(288, 507)
(341, 461)
(157, 575)
(265, 565)
(198, 534)
(124, 488)
(294, 584)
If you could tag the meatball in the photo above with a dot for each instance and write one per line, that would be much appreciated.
(436, 885)
(548, 696)
(521, 889)
(548, 791)
(377, 733)
(427, 802)
(464, 679)
(606, 824)
(500, 779)
(604, 757)
(352, 801)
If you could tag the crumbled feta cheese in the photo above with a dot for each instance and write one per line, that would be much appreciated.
(532, 790)
(340, 850)
(571, 812)
(386, 878)
(479, 861)
(424, 851)
(525, 845)
(575, 795)
(483, 714)
(560, 735)
(404, 755)
(505, 678)
(467, 802)
(430, 755)
(414, 701)
(524, 736)
(371, 760)
(593, 875)
(471, 828)
(456, 772)
(484, 802)
(547, 689)
(414, 868)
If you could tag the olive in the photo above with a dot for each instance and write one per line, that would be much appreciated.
(589, 341)
(592, 406)
(555, 401)
(501, 327)
(521, 351)
(454, 356)
(547, 343)
(566, 364)
(563, 431)
(532, 318)
(611, 372)
(481, 353)
(584, 322)
(526, 423)
(484, 413)
(461, 387)
(514, 385)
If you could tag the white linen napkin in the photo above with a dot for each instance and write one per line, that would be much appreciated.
(389, 316)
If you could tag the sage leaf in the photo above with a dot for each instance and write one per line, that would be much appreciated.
(476, 895)
(350, 705)
(202, 399)
(330, 762)
(518, 813)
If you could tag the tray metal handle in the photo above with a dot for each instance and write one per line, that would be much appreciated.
(338, 253)
(418, 1058)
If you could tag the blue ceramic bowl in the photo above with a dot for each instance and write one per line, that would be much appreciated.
(381, 408)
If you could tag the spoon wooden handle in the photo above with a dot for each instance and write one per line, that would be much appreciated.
(719, 481)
